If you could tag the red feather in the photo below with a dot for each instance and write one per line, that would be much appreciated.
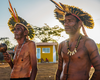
(12, 11)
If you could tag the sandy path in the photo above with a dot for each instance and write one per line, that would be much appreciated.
(46, 71)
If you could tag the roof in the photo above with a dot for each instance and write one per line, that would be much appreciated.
(44, 43)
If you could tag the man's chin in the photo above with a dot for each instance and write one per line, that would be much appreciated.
(67, 32)
(16, 38)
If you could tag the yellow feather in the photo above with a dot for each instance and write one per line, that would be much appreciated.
(16, 15)
(10, 12)
(59, 6)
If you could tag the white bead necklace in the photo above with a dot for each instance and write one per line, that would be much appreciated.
(19, 49)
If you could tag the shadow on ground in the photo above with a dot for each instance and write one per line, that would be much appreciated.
(46, 71)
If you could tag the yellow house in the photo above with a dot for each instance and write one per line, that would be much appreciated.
(46, 50)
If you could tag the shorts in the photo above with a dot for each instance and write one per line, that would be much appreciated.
(19, 78)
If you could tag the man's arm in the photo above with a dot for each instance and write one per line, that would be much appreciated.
(60, 63)
(7, 58)
(33, 60)
(94, 57)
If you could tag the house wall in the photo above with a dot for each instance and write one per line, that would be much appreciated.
(47, 55)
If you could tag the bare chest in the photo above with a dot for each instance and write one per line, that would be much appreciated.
(80, 53)
(21, 55)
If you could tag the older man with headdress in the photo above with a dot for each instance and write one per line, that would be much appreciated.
(78, 52)
(24, 65)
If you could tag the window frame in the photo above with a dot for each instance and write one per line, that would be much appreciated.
(45, 48)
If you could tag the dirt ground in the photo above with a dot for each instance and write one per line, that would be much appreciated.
(46, 71)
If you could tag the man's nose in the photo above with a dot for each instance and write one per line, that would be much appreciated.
(15, 31)
(66, 24)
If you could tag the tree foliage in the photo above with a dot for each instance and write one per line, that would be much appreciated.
(46, 33)
(6, 41)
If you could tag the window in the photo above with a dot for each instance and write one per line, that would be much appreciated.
(38, 53)
(45, 50)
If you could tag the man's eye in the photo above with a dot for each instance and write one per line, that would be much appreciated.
(18, 29)
(69, 20)
(14, 29)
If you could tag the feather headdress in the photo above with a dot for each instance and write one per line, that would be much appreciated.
(15, 19)
(62, 9)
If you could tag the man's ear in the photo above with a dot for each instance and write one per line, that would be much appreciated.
(80, 24)
(25, 32)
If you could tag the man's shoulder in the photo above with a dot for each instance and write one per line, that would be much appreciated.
(30, 43)
(88, 40)
(63, 43)
(15, 47)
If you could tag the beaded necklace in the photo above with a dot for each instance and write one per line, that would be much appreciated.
(70, 53)
(19, 49)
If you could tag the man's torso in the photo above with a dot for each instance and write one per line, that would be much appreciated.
(22, 64)
(77, 66)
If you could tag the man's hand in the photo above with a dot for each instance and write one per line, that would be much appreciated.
(7, 57)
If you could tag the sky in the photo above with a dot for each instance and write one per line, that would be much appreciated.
(39, 12)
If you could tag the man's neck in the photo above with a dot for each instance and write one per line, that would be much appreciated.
(20, 41)
(74, 37)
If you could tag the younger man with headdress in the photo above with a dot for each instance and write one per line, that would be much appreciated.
(24, 65)
(79, 52)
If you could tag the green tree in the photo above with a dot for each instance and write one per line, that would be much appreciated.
(6, 41)
(46, 33)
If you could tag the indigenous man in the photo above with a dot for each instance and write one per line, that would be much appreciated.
(79, 52)
(24, 65)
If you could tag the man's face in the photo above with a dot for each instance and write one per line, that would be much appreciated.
(71, 24)
(18, 32)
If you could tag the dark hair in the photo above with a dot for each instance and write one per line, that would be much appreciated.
(77, 20)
